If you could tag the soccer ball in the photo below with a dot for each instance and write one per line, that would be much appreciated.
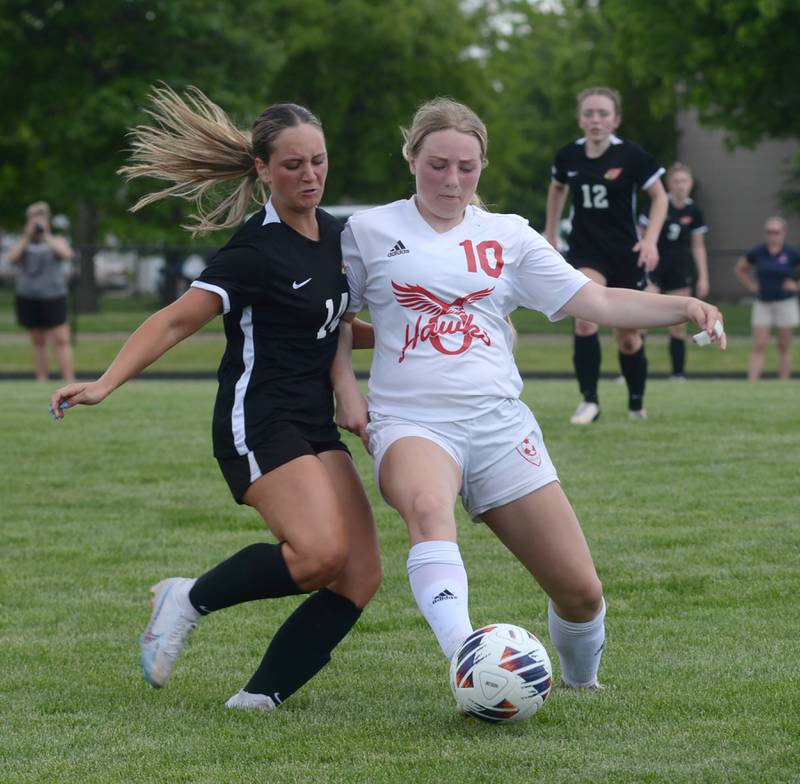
(501, 673)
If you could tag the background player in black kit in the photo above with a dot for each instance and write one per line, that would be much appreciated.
(603, 174)
(683, 261)
(281, 287)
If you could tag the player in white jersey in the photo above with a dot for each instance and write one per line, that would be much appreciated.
(444, 418)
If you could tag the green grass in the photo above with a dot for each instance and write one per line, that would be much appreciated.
(692, 518)
(536, 353)
(124, 314)
(542, 347)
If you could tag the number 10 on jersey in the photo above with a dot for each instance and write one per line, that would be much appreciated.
(492, 270)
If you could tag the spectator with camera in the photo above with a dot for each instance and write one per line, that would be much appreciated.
(41, 290)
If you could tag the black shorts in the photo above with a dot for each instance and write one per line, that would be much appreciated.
(669, 276)
(41, 313)
(620, 271)
(285, 443)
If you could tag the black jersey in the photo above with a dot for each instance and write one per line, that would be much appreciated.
(675, 240)
(603, 191)
(283, 295)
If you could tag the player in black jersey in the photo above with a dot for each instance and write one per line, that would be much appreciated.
(682, 256)
(603, 173)
(281, 287)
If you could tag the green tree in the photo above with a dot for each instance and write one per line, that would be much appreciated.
(364, 67)
(75, 76)
(735, 61)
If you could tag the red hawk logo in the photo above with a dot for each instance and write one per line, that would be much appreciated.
(419, 298)
(686, 219)
(612, 174)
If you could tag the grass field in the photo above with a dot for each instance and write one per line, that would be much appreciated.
(543, 347)
(693, 521)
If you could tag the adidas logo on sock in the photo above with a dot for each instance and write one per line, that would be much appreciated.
(398, 249)
(445, 594)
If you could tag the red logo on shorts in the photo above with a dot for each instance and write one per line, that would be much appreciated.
(528, 451)
(418, 298)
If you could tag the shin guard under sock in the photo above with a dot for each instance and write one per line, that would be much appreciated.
(677, 354)
(303, 644)
(634, 369)
(258, 571)
(586, 359)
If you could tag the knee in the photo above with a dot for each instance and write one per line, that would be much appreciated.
(427, 508)
(367, 585)
(629, 343)
(584, 601)
(584, 329)
(322, 564)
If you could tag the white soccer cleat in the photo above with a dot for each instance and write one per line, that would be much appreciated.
(585, 414)
(678, 377)
(172, 621)
(244, 700)
(637, 416)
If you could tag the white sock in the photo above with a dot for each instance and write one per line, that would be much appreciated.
(439, 584)
(579, 647)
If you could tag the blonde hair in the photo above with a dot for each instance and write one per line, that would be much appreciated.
(607, 92)
(38, 208)
(443, 114)
(195, 145)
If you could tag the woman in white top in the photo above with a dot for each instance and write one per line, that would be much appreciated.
(440, 276)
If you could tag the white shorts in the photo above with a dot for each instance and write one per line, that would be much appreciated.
(783, 313)
(501, 454)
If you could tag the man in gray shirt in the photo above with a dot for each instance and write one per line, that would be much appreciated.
(41, 289)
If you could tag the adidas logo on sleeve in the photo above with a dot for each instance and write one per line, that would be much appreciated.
(399, 249)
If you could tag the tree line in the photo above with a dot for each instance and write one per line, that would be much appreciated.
(75, 78)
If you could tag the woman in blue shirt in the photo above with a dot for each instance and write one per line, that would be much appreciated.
(775, 286)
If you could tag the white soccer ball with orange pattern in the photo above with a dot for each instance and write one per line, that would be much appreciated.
(501, 673)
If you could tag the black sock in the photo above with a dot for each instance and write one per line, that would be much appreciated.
(258, 571)
(586, 358)
(677, 352)
(303, 645)
(634, 368)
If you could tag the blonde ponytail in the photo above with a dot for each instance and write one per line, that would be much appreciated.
(194, 145)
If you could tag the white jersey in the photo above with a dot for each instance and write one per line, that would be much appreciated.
(438, 303)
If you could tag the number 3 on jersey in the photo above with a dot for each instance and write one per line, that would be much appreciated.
(332, 320)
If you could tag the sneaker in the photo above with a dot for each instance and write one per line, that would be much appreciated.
(638, 415)
(244, 700)
(585, 414)
(172, 621)
(678, 377)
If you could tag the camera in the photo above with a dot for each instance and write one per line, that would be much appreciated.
(38, 228)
